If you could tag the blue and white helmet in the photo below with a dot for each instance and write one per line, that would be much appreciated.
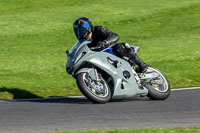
(82, 27)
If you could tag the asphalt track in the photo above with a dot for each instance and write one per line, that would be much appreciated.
(182, 108)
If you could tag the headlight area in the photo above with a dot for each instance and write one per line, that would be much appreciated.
(79, 57)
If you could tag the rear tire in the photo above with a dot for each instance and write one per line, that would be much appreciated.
(97, 92)
(159, 88)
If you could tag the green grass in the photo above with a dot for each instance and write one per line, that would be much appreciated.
(146, 130)
(35, 34)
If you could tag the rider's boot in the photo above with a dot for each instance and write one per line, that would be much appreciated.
(136, 59)
(133, 57)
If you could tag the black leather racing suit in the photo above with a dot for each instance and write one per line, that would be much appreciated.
(101, 34)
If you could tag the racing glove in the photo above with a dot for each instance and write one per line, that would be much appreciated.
(103, 44)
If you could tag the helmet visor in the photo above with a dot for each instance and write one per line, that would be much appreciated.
(81, 30)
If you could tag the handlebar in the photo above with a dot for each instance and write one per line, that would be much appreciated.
(100, 48)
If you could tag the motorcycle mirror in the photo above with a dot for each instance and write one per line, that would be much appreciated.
(68, 52)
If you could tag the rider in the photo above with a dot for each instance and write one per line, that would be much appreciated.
(103, 37)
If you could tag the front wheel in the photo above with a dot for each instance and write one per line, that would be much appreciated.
(95, 91)
(159, 87)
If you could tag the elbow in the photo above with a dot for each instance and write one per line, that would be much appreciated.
(117, 37)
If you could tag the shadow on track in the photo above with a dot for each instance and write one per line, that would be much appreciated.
(68, 100)
(26, 96)
(18, 93)
(75, 100)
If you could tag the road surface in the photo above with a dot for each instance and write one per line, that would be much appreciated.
(182, 108)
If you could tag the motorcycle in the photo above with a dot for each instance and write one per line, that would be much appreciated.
(100, 75)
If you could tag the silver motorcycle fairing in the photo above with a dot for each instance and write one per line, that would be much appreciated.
(123, 86)
(91, 71)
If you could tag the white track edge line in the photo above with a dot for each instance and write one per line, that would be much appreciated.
(181, 89)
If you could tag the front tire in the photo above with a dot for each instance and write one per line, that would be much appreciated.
(158, 88)
(95, 91)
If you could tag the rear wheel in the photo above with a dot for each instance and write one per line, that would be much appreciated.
(95, 91)
(159, 87)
